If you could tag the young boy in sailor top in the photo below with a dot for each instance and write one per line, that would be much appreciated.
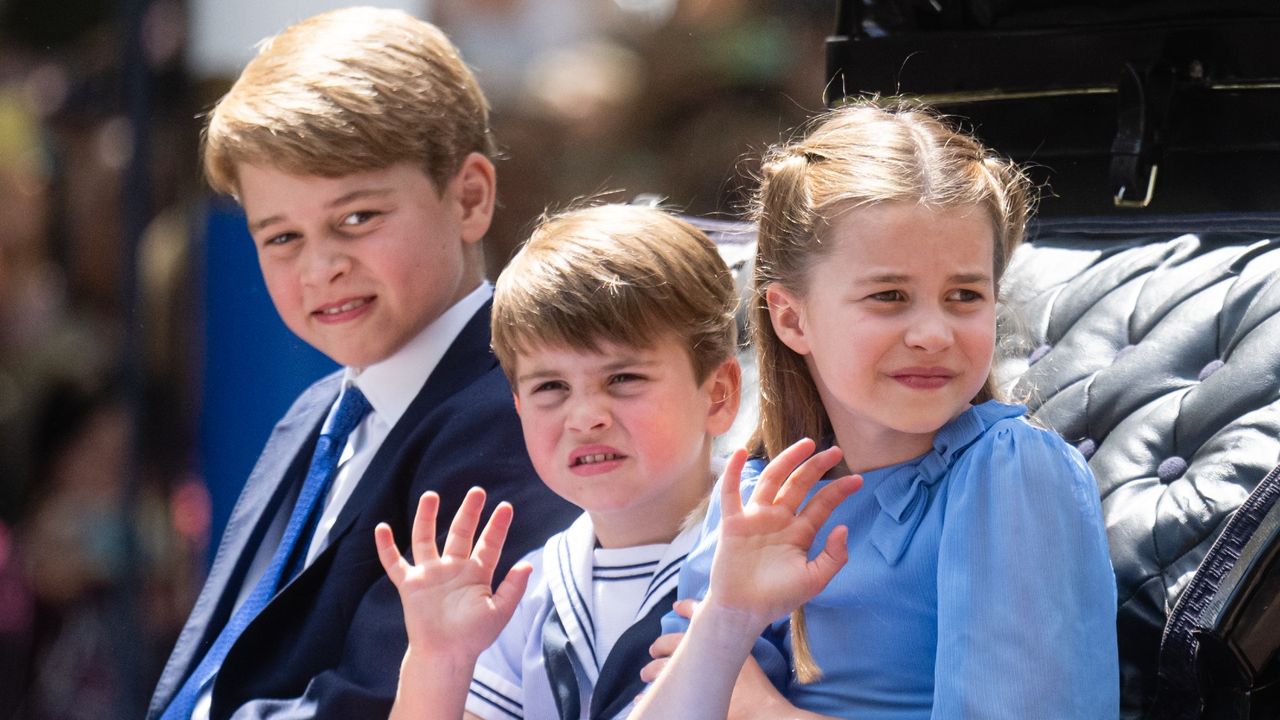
(614, 325)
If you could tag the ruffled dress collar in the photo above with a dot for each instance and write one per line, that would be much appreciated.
(902, 491)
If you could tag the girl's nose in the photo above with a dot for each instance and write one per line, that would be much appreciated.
(929, 330)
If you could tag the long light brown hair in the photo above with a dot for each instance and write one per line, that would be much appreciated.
(867, 152)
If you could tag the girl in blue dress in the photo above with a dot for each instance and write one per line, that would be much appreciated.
(969, 576)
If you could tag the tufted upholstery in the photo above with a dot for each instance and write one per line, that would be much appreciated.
(1160, 359)
(1157, 354)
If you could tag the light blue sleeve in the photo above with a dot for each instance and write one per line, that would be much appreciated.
(1026, 593)
(695, 578)
(695, 573)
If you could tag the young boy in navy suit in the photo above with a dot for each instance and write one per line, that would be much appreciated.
(358, 144)
(615, 327)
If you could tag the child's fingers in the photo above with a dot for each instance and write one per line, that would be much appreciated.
(392, 562)
(665, 646)
(511, 589)
(801, 481)
(684, 608)
(731, 484)
(779, 469)
(423, 537)
(833, 556)
(825, 501)
(462, 531)
(661, 651)
(652, 670)
(494, 536)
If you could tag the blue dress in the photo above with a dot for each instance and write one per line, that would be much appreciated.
(978, 584)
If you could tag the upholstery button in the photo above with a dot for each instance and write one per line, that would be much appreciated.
(1210, 369)
(1039, 353)
(1171, 469)
(1087, 447)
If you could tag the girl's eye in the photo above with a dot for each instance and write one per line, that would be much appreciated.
(359, 217)
(889, 296)
(967, 296)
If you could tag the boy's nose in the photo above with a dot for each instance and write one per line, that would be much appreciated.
(325, 262)
(588, 414)
(929, 331)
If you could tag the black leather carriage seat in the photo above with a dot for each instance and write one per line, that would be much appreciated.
(1156, 352)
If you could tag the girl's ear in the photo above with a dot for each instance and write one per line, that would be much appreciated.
(786, 312)
(726, 394)
(477, 186)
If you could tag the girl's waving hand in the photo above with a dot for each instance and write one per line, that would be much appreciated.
(762, 564)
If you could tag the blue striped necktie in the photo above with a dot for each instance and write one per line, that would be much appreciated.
(352, 407)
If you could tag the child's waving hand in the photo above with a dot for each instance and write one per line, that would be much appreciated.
(761, 564)
(449, 607)
(761, 571)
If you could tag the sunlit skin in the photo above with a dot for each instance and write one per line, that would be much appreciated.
(624, 433)
(451, 610)
(896, 324)
(358, 265)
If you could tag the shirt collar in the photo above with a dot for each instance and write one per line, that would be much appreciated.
(390, 385)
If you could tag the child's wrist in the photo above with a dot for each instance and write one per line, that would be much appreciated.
(436, 681)
(443, 665)
(729, 627)
(740, 618)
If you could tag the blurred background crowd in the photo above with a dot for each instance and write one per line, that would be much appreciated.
(111, 491)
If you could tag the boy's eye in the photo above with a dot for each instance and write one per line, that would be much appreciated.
(620, 378)
(549, 386)
(281, 239)
(359, 217)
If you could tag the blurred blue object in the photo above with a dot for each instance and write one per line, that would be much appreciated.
(253, 366)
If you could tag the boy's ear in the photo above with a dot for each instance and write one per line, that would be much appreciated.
(786, 313)
(477, 188)
(516, 398)
(726, 396)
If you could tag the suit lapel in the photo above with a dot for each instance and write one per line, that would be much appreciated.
(467, 359)
(287, 452)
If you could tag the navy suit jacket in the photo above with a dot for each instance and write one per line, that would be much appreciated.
(329, 644)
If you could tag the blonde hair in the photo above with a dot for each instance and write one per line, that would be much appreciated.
(615, 273)
(861, 154)
(347, 91)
